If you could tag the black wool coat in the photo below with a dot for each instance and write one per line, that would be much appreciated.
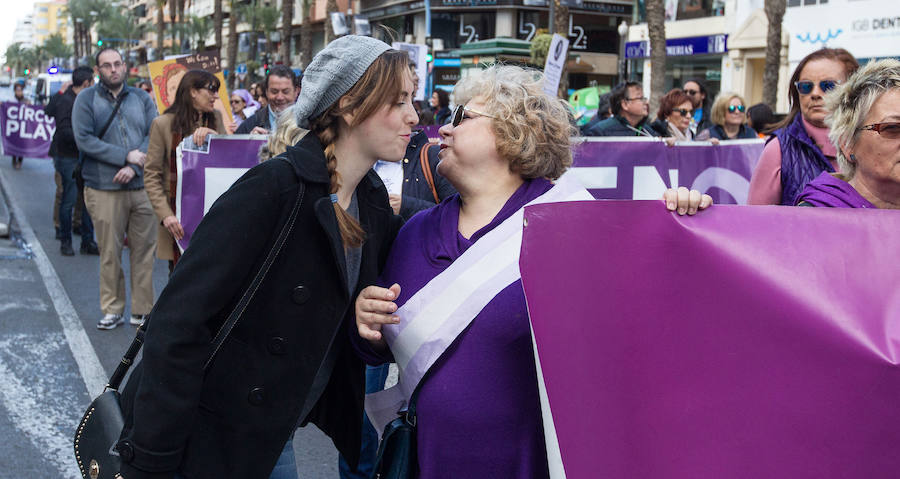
(233, 419)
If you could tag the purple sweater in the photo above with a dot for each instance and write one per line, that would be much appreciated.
(478, 407)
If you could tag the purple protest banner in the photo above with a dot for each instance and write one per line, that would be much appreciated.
(641, 169)
(27, 131)
(745, 342)
(205, 173)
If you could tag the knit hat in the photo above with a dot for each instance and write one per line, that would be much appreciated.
(333, 72)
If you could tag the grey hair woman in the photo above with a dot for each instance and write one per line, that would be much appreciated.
(865, 128)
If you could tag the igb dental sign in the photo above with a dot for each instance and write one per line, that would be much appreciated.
(27, 130)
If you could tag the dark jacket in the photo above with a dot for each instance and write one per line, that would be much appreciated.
(661, 128)
(416, 192)
(716, 131)
(704, 122)
(232, 420)
(801, 160)
(60, 108)
(442, 116)
(260, 118)
(619, 126)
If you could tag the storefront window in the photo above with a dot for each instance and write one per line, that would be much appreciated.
(686, 9)
(459, 28)
(705, 67)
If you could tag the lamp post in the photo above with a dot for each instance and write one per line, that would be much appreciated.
(623, 32)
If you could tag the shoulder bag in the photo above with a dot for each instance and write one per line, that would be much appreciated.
(102, 424)
(426, 170)
(76, 173)
(396, 458)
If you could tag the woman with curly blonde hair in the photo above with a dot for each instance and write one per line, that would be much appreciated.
(462, 318)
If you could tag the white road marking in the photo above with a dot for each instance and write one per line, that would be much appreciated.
(39, 410)
(8, 303)
(88, 364)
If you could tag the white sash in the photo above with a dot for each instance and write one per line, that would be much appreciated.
(433, 317)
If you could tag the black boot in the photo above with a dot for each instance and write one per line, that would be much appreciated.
(66, 248)
(89, 248)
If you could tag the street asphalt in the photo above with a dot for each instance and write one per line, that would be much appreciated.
(53, 360)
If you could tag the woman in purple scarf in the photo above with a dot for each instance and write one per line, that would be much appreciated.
(865, 126)
(478, 407)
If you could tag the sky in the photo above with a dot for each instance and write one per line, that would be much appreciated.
(13, 10)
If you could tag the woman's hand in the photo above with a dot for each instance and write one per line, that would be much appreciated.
(174, 226)
(200, 135)
(374, 307)
(686, 202)
(396, 201)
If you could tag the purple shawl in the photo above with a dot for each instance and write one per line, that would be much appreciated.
(829, 191)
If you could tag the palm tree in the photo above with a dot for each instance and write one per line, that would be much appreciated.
(268, 19)
(774, 14)
(233, 20)
(182, 24)
(199, 29)
(160, 27)
(15, 57)
(250, 13)
(656, 26)
(306, 32)
(287, 21)
(217, 22)
(173, 24)
(330, 7)
(56, 47)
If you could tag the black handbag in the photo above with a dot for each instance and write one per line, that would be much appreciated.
(102, 424)
(396, 458)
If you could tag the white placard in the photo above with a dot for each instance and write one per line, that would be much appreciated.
(556, 61)
(339, 23)
(362, 26)
(218, 180)
(417, 54)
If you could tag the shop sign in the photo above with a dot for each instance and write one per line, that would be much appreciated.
(679, 47)
(866, 28)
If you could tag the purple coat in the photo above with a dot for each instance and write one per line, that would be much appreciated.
(478, 409)
(801, 160)
(828, 191)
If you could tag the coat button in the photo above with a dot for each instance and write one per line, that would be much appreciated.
(406, 160)
(300, 294)
(126, 451)
(277, 346)
(257, 396)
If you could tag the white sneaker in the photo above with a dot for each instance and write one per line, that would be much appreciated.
(110, 321)
(137, 319)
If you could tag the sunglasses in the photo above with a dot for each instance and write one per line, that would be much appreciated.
(459, 114)
(889, 130)
(235, 102)
(733, 108)
(806, 87)
(691, 92)
(211, 87)
(683, 111)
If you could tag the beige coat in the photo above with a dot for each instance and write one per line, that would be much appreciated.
(156, 177)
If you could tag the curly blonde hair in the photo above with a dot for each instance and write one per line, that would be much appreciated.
(286, 134)
(533, 130)
(850, 102)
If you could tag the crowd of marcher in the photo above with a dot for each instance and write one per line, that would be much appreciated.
(315, 261)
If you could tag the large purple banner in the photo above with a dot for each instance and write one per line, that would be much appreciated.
(205, 173)
(717, 345)
(641, 169)
(27, 131)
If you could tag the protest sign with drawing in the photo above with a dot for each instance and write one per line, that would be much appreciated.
(166, 74)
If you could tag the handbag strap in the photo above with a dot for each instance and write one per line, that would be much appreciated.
(128, 359)
(426, 170)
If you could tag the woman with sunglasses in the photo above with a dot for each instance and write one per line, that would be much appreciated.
(192, 114)
(799, 149)
(466, 345)
(729, 120)
(242, 107)
(865, 124)
(673, 120)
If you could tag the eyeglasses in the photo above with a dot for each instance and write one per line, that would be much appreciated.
(733, 108)
(683, 111)
(212, 88)
(235, 102)
(459, 114)
(691, 92)
(110, 66)
(888, 130)
(640, 98)
(806, 87)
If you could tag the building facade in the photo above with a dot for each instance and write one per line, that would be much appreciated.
(48, 18)
(24, 32)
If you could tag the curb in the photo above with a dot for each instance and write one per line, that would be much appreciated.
(5, 218)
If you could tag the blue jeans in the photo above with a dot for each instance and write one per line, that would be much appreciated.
(285, 468)
(376, 376)
(65, 166)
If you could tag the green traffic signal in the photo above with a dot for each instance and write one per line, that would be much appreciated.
(99, 43)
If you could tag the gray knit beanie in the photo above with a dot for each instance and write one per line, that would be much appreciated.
(333, 72)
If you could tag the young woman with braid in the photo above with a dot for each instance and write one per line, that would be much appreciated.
(307, 230)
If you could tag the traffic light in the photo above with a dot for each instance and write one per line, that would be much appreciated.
(27, 71)
(100, 42)
(429, 57)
